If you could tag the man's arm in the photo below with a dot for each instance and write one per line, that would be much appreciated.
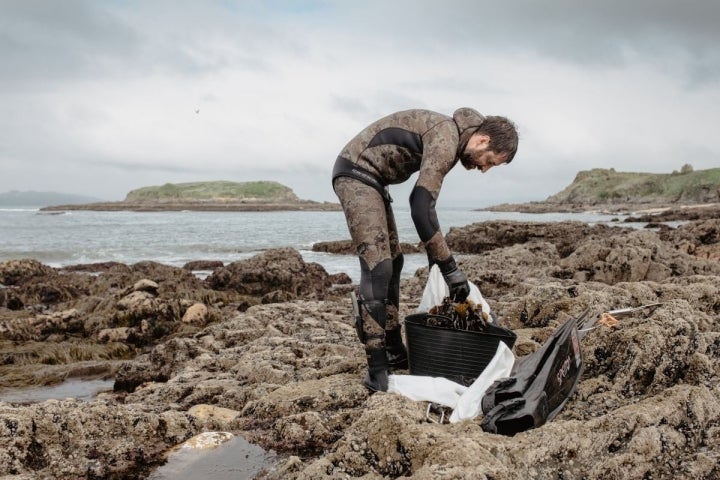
(439, 148)
(438, 158)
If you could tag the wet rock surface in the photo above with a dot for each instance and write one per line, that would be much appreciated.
(485, 236)
(69, 439)
(50, 320)
(637, 211)
(701, 212)
(345, 247)
(287, 375)
(203, 265)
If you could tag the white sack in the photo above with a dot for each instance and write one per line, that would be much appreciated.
(428, 389)
(469, 403)
(465, 401)
(436, 290)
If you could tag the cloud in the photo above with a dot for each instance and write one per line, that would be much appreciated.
(52, 42)
(120, 94)
(613, 32)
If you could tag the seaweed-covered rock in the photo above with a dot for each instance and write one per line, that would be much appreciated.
(485, 236)
(15, 272)
(277, 269)
(63, 439)
(346, 247)
(633, 257)
(203, 265)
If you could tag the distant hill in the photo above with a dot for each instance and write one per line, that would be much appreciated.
(40, 199)
(608, 186)
(219, 196)
(219, 191)
(601, 188)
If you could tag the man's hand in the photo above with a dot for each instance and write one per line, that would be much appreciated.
(458, 285)
(456, 280)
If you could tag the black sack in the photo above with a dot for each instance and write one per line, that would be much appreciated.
(539, 385)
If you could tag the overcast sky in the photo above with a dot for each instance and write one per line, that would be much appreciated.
(102, 97)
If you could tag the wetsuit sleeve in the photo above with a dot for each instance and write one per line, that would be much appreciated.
(439, 149)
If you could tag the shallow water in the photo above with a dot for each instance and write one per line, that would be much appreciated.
(236, 459)
(174, 238)
(75, 388)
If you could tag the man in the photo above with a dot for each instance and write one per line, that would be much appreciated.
(387, 152)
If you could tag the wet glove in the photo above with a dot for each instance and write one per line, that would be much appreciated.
(456, 280)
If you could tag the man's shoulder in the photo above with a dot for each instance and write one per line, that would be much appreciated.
(420, 112)
(415, 119)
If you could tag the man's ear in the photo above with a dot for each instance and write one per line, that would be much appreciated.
(482, 140)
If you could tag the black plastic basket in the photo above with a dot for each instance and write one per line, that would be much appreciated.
(457, 355)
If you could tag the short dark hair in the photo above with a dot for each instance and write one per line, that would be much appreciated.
(503, 135)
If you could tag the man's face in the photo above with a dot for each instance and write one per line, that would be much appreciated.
(478, 156)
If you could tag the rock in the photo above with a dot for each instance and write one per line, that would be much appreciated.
(637, 256)
(213, 413)
(16, 272)
(66, 321)
(341, 278)
(69, 439)
(278, 269)
(305, 431)
(136, 301)
(345, 247)
(120, 334)
(146, 285)
(41, 326)
(203, 265)
(34, 283)
(699, 212)
(91, 267)
(485, 236)
(277, 296)
(83, 317)
(156, 366)
(699, 238)
(10, 299)
(197, 314)
(709, 252)
(206, 441)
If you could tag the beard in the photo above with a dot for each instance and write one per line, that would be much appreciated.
(467, 159)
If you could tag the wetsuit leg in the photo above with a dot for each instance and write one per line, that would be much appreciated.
(366, 218)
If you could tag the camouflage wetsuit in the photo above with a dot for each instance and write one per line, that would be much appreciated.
(388, 152)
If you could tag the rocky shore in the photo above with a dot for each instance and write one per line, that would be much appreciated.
(265, 348)
(650, 211)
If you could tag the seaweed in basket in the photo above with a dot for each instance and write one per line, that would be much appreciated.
(457, 316)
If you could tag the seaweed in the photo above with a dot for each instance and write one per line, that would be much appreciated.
(457, 316)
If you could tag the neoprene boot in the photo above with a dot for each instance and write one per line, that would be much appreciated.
(377, 375)
(396, 352)
(373, 317)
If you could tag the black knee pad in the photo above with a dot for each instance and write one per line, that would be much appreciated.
(374, 283)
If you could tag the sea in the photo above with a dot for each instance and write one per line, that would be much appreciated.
(66, 238)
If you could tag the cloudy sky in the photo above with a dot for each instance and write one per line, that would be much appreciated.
(101, 97)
